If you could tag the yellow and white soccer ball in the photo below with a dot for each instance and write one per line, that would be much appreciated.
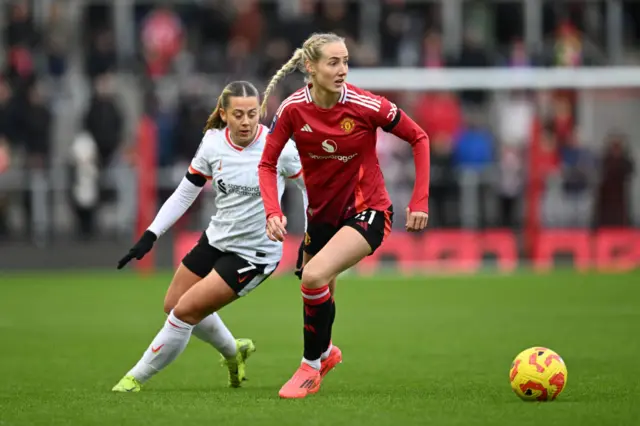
(538, 374)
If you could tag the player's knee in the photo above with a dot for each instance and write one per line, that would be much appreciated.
(313, 277)
(186, 314)
(169, 305)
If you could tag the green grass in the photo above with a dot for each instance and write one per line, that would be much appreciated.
(430, 351)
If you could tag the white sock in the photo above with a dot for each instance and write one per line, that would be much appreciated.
(167, 345)
(326, 353)
(313, 363)
(213, 331)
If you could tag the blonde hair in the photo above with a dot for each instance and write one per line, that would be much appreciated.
(311, 51)
(242, 89)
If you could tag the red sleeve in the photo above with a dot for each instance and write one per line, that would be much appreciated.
(407, 129)
(277, 137)
(393, 120)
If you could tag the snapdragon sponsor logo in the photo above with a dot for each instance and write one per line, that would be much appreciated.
(331, 147)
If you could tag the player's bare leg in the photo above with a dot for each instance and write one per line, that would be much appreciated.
(199, 302)
(344, 250)
(182, 281)
(211, 329)
(331, 355)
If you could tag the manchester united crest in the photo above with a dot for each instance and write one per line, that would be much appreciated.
(347, 125)
(307, 239)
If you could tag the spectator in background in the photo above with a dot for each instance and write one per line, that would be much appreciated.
(439, 113)
(393, 28)
(473, 55)
(20, 30)
(162, 38)
(248, 24)
(433, 55)
(7, 124)
(214, 30)
(443, 184)
(101, 58)
(104, 121)
(577, 167)
(563, 120)
(193, 110)
(518, 55)
(335, 17)
(567, 49)
(37, 143)
(613, 196)
(511, 182)
(57, 41)
(37, 130)
(473, 148)
(472, 155)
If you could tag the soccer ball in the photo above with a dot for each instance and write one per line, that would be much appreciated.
(538, 374)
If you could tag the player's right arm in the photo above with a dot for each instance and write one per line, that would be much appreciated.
(278, 136)
(177, 204)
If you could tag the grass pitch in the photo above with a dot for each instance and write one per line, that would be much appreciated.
(419, 351)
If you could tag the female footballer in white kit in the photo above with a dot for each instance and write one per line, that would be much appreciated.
(234, 255)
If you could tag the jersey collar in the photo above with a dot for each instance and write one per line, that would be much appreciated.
(227, 137)
(343, 94)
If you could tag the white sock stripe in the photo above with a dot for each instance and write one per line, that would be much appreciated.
(315, 296)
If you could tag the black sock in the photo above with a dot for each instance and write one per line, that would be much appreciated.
(317, 316)
(332, 317)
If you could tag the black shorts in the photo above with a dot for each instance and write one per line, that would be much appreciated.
(241, 275)
(373, 225)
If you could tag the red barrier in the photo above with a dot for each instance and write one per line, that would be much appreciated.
(503, 244)
(617, 249)
(551, 242)
(462, 251)
(401, 246)
(451, 251)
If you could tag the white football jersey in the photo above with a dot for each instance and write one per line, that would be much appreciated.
(239, 224)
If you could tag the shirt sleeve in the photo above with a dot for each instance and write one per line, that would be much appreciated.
(289, 164)
(393, 120)
(175, 206)
(201, 162)
(278, 135)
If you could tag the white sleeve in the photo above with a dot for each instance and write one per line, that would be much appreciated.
(201, 162)
(175, 206)
(289, 163)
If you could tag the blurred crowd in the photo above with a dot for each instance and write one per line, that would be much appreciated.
(184, 53)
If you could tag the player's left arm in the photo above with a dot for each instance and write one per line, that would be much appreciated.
(393, 120)
(291, 168)
(277, 137)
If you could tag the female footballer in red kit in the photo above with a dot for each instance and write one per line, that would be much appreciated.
(334, 125)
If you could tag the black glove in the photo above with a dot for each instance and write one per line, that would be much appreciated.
(142, 247)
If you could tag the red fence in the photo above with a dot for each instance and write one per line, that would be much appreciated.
(441, 251)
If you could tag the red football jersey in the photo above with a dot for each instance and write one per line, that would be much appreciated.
(337, 149)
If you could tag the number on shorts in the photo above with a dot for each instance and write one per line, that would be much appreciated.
(366, 216)
(251, 267)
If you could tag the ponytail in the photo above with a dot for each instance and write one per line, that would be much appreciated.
(215, 119)
(310, 51)
(294, 63)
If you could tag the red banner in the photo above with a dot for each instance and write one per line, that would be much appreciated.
(441, 251)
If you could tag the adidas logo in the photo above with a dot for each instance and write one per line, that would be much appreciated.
(306, 128)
